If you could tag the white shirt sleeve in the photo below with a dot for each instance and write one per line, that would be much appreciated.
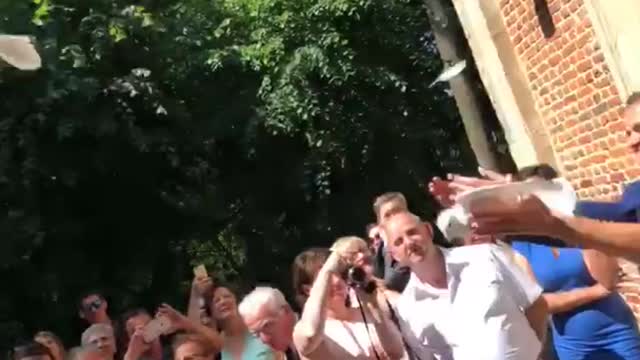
(524, 290)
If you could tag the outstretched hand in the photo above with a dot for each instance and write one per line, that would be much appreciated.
(446, 191)
(177, 319)
(522, 215)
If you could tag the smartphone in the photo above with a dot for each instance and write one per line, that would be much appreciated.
(200, 272)
(155, 328)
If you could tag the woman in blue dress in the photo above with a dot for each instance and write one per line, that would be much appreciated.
(589, 319)
(221, 303)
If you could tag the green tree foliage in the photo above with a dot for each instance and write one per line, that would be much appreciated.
(234, 133)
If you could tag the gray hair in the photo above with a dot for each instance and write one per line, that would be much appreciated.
(259, 297)
(96, 329)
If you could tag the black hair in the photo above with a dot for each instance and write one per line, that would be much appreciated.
(86, 294)
(633, 99)
(544, 171)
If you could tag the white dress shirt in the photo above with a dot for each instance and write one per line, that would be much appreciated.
(480, 316)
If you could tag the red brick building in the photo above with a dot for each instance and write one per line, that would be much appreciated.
(558, 73)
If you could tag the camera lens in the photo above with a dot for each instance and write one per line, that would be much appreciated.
(357, 275)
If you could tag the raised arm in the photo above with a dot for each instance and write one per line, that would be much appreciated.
(181, 322)
(201, 288)
(309, 331)
(529, 216)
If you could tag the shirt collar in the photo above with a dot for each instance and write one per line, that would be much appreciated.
(453, 266)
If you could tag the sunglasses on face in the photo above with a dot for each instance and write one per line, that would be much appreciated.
(93, 306)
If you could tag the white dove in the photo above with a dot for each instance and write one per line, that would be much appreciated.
(450, 72)
(19, 52)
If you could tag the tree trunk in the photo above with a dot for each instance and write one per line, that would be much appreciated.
(479, 118)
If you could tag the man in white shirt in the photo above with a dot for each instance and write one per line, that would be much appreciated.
(470, 302)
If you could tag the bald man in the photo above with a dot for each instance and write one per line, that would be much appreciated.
(464, 302)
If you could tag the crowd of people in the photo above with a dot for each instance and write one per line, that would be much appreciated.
(513, 287)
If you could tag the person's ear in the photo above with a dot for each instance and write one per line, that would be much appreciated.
(429, 228)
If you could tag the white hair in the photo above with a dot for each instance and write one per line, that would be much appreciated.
(101, 329)
(259, 297)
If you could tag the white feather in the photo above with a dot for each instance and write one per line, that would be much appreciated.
(450, 72)
(454, 224)
(19, 52)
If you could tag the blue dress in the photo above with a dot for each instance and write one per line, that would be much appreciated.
(254, 349)
(601, 330)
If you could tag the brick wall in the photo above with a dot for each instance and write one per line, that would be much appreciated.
(577, 99)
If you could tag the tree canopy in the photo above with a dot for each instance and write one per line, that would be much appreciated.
(163, 134)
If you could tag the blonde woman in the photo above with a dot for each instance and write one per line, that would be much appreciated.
(330, 326)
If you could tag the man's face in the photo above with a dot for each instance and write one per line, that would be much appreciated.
(409, 239)
(191, 351)
(632, 124)
(389, 208)
(104, 343)
(274, 328)
(93, 308)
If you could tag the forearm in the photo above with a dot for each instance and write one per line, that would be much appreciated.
(614, 239)
(309, 331)
(569, 300)
(193, 309)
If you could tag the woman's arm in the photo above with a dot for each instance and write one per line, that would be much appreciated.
(309, 331)
(181, 322)
(568, 300)
(562, 301)
(200, 288)
(603, 268)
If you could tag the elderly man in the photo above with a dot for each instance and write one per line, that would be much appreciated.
(473, 301)
(268, 315)
(528, 215)
(102, 338)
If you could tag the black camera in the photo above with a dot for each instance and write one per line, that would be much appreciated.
(356, 277)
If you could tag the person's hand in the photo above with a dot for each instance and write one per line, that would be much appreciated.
(336, 263)
(521, 215)
(177, 319)
(137, 346)
(442, 191)
(446, 191)
(202, 286)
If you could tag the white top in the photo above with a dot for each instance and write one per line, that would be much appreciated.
(479, 316)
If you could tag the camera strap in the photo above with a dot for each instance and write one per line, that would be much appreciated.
(366, 326)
